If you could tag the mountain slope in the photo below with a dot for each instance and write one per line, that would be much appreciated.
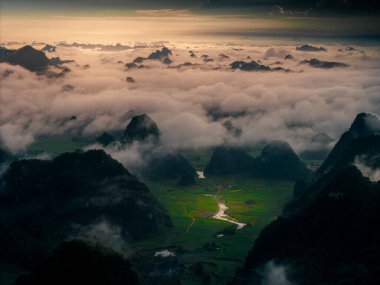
(76, 262)
(363, 125)
(77, 194)
(331, 234)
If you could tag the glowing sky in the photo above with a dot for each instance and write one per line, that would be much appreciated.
(127, 20)
(172, 25)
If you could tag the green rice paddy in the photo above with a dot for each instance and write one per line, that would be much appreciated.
(252, 201)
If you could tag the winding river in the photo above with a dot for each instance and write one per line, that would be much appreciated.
(221, 214)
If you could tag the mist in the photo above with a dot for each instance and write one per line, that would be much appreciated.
(102, 232)
(368, 170)
(293, 106)
(275, 274)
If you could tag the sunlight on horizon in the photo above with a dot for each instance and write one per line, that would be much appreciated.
(172, 25)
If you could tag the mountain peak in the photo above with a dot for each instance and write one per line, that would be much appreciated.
(29, 58)
(365, 123)
(280, 160)
(141, 128)
(27, 48)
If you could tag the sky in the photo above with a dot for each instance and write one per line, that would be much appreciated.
(121, 21)
(208, 3)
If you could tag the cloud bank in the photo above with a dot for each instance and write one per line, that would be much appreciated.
(191, 103)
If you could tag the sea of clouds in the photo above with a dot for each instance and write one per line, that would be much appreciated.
(190, 104)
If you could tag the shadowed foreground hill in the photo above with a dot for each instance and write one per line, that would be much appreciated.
(364, 148)
(331, 235)
(76, 262)
(43, 203)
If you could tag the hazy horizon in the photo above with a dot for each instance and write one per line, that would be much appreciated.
(122, 21)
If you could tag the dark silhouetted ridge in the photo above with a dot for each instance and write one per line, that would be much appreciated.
(29, 58)
(43, 203)
(76, 262)
(364, 125)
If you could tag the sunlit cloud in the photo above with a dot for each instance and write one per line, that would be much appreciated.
(296, 107)
(164, 13)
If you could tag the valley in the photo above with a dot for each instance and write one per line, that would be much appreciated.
(197, 238)
(254, 202)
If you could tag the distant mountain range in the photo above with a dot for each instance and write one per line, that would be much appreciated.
(33, 59)
(27, 57)
(277, 161)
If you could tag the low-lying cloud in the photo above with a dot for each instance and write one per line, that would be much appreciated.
(102, 232)
(295, 107)
(368, 170)
(275, 274)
